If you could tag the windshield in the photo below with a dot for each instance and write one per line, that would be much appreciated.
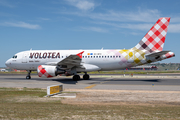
(15, 56)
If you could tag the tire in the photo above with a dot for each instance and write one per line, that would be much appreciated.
(28, 77)
(86, 77)
(76, 77)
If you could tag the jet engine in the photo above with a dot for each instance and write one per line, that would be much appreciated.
(48, 71)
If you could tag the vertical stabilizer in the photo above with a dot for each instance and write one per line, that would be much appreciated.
(155, 38)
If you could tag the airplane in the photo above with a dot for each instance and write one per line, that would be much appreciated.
(3, 70)
(50, 63)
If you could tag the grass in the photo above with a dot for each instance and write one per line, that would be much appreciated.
(14, 105)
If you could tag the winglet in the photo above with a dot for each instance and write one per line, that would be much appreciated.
(80, 54)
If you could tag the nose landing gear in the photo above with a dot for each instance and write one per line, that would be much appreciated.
(28, 75)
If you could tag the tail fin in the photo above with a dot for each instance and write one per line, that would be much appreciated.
(155, 38)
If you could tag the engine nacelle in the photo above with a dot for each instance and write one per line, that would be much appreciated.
(48, 71)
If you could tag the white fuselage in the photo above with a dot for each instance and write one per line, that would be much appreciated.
(104, 59)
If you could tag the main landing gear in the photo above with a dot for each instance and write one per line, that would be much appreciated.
(77, 77)
(28, 75)
(86, 76)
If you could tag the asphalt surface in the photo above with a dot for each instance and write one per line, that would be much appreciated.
(105, 82)
(160, 74)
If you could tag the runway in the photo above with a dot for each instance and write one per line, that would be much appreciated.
(103, 82)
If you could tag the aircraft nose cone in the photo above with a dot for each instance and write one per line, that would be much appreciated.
(7, 63)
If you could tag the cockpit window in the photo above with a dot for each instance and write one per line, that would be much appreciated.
(15, 56)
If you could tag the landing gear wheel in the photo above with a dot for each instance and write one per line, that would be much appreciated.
(86, 77)
(28, 77)
(76, 77)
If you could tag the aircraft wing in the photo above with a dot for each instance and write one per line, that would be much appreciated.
(156, 54)
(71, 60)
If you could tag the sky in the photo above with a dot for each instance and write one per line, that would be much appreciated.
(83, 24)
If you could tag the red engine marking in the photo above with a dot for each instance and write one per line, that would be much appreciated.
(42, 72)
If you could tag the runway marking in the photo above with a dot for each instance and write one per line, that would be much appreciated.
(106, 81)
(91, 86)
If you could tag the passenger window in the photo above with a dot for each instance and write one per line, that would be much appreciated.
(88, 56)
(91, 56)
(119, 56)
(105, 56)
(116, 56)
(113, 56)
(96, 56)
(102, 56)
(108, 56)
(99, 56)
(85, 56)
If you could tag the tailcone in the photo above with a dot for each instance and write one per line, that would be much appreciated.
(168, 55)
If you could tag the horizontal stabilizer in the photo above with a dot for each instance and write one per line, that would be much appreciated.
(155, 54)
